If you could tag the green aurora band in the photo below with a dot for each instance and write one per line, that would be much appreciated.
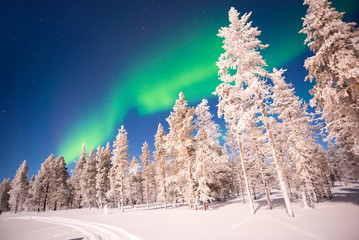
(186, 64)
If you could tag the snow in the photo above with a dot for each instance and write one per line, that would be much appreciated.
(334, 219)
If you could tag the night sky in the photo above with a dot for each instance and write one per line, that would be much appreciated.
(75, 71)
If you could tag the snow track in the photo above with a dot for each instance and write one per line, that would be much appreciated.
(92, 231)
(305, 233)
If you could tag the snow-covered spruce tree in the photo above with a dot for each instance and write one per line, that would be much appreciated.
(88, 181)
(220, 174)
(46, 179)
(300, 142)
(208, 161)
(176, 182)
(341, 170)
(49, 189)
(335, 69)
(4, 195)
(33, 199)
(161, 165)
(146, 172)
(135, 193)
(61, 191)
(153, 182)
(242, 95)
(118, 172)
(206, 137)
(322, 179)
(231, 87)
(180, 140)
(77, 177)
(103, 159)
(19, 188)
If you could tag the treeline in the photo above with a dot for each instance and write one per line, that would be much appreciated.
(270, 142)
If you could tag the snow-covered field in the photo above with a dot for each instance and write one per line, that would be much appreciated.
(335, 219)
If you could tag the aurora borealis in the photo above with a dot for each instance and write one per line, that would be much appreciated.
(96, 65)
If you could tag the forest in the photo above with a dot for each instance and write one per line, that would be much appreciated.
(271, 139)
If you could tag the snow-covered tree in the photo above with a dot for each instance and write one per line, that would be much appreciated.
(49, 189)
(19, 188)
(46, 179)
(208, 162)
(146, 172)
(233, 180)
(135, 193)
(335, 69)
(161, 165)
(77, 177)
(321, 181)
(61, 191)
(118, 170)
(243, 93)
(103, 159)
(340, 168)
(88, 181)
(300, 142)
(33, 199)
(179, 140)
(153, 182)
(4, 195)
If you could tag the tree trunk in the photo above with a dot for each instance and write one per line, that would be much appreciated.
(265, 186)
(277, 163)
(240, 177)
(245, 175)
(261, 167)
(148, 197)
(189, 168)
(122, 193)
(304, 199)
(45, 200)
(164, 185)
(315, 196)
(130, 199)
(38, 204)
(205, 205)
(16, 204)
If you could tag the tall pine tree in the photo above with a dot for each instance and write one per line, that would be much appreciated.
(19, 188)
(103, 159)
(244, 92)
(118, 172)
(88, 178)
(335, 69)
(180, 141)
(76, 179)
(4, 195)
(146, 173)
(160, 157)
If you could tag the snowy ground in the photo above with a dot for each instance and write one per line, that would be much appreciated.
(337, 219)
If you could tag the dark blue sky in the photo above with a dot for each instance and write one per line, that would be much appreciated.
(74, 71)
